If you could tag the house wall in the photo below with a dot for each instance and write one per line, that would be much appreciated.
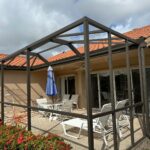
(15, 84)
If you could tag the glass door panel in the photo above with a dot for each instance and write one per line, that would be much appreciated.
(136, 89)
(94, 84)
(104, 88)
(71, 85)
(148, 85)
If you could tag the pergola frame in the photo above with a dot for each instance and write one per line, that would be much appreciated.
(55, 37)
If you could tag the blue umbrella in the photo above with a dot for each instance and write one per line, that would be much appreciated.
(51, 89)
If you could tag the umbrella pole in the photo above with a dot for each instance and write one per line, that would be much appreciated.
(52, 100)
(53, 103)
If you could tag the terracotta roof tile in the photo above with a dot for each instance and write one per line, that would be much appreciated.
(139, 32)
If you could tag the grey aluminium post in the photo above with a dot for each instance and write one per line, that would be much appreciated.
(2, 92)
(142, 88)
(112, 92)
(28, 90)
(129, 91)
(88, 86)
(145, 91)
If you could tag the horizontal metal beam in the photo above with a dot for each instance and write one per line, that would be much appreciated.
(53, 47)
(60, 41)
(47, 110)
(104, 40)
(81, 33)
(113, 43)
(73, 114)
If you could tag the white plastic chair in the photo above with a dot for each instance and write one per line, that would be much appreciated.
(66, 107)
(65, 97)
(74, 99)
(124, 122)
(99, 125)
(41, 102)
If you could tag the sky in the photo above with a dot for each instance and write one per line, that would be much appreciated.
(25, 21)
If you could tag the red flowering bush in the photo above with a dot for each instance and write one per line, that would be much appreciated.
(12, 137)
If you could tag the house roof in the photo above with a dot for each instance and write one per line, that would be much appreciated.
(134, 34)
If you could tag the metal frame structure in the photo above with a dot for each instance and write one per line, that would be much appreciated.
(56, 37)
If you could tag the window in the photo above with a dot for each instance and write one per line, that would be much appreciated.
(121, 86)
(68, 85)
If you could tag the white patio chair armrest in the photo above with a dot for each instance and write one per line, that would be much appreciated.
(50, 107)
(99, 128)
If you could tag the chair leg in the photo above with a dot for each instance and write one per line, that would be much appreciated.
(105, 146)
(128, 122)
(51, 117)
(119, 130)
(77, 106)
(65, 132)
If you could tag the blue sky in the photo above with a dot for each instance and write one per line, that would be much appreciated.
(24, 21)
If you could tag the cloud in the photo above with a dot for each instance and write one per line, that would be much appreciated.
(25, 21)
